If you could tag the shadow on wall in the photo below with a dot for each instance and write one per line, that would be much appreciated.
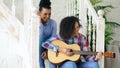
(113, 62)
(117, 43)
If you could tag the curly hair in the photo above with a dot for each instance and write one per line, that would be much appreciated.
(44, 4)
(67, 26)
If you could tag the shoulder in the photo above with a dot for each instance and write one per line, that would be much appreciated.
(40, 25)
(80, 35)
(52, 21)
(56, 37)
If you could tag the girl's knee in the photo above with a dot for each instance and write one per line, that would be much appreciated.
(69, 64)
(93, 64)
(96, 64)
(88, 65)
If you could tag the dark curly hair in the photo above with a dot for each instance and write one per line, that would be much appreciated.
(67, 26)
(44, 4)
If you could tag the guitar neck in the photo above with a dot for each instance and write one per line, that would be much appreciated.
(84, 52)
(106, 54)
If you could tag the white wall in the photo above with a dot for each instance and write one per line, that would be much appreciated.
(114, 15)
(59, 10)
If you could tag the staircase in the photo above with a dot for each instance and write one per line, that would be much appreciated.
(16, 45)
(19, 34)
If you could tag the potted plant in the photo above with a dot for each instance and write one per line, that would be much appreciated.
(109, 25)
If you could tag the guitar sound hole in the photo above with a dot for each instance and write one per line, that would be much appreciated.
(71, 50)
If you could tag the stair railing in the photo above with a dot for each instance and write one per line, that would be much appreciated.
(93, 24)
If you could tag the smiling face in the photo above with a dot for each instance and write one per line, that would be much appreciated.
(45, 15)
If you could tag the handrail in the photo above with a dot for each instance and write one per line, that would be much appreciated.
(91, 9)
(8, 14)
(98, 23)
(13, 25)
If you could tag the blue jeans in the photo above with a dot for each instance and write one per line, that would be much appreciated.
(70, 64)
(90, 64)
(41, 61)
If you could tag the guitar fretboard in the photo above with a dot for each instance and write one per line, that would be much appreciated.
(84, 52)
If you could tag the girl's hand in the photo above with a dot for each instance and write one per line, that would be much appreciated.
(99, 56)
(44, 55)
(66, 51)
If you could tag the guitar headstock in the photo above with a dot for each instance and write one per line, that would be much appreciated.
(109, 54)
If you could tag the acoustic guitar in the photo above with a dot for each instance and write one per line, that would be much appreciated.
(58, 58)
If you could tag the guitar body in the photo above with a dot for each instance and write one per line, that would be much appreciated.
(60, 57)
(57, 58)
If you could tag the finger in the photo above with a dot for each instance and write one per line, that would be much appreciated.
(96, 58)
(43, 54)
(69, 53)
(44, 57)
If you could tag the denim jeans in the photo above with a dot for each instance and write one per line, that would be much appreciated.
(70, 64)
(41, 61)
(90, 64)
